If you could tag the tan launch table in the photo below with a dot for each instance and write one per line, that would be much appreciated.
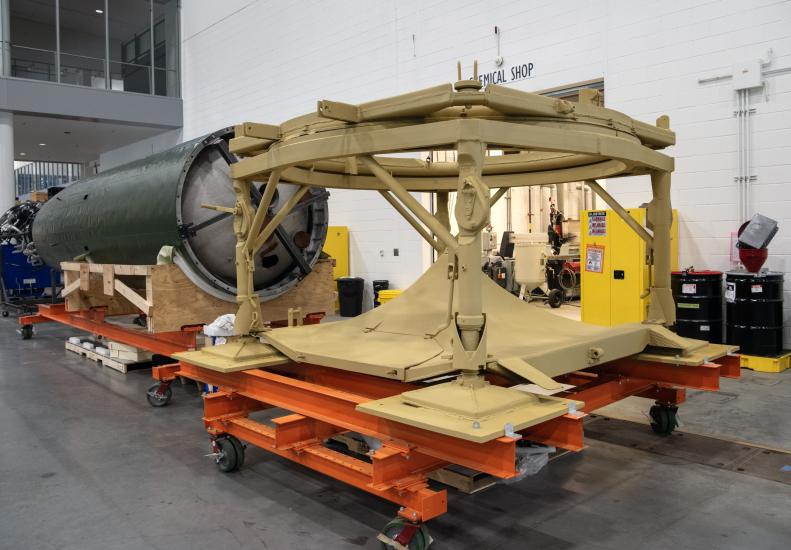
(429, 376)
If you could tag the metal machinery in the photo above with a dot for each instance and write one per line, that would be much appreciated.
(182, 198)
(527, 265)
(429, 377)
(25, 280)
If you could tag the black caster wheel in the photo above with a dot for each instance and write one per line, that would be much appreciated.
(555, 298)
(5, 314)
(663, 419)
(26, 331)
(159, 394)
(228, 453)
(407, 535)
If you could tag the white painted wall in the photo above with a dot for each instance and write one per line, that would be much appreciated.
(268, 61)
(656, 71)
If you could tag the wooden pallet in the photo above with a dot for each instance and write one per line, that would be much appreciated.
(463, 479)
(120, 365)
(171, 301)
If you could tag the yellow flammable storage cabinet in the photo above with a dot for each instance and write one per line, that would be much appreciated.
(614, 267)
(337, 247)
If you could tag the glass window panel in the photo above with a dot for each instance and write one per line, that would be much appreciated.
(81, 70)
(33, 39)
(166, 47)
(130, 45)
(131, 77)
(82, 43)
(143, 45)
(128, 51)
(166, 82)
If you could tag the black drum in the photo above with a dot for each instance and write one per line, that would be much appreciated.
(698, 297)
(754, 308)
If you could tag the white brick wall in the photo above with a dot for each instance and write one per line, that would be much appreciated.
(268, 61)
(653, 72)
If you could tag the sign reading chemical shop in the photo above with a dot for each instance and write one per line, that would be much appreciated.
(507, 75)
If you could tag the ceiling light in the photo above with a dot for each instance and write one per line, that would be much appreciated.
(99, 11)
(42, 144)
(22, 154)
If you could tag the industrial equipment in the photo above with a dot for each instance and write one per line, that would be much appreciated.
(427, 377)
(24, 279)
(528, 266)
(182, 197)
(181, 200)
(615, 262)
(754, 299)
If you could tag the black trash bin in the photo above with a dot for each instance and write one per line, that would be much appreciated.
(350, 296)
(379, 284)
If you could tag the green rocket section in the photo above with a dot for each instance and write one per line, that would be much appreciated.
(127, 214)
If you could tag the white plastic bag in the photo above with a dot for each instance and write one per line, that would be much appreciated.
(221, 326)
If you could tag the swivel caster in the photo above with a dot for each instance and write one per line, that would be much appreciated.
(663, 418)
(228, 453)
(5, 313)
(26, 331)
(159, 394)
(555, 298)
(402, 535)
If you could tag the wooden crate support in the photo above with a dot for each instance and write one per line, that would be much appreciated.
(120, 365)
(171, 301)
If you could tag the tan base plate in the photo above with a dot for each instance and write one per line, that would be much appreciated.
(234, 356)
(475, 414)
(705, 354)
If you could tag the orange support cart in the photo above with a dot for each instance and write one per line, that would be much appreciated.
(321, 402)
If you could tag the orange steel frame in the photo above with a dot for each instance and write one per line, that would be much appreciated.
(321, 402)
(93, 320)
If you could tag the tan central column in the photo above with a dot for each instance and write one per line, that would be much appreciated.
(471, 217)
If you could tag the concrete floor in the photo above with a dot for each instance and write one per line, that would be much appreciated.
(85, 463)
(752, 409)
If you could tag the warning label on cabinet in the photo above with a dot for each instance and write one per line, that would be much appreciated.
(594, 258)
(597, 224)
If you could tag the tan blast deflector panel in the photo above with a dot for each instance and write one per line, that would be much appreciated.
(409, 338)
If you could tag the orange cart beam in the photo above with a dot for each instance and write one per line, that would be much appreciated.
(565, 432)
(336, 407)
(395, 473)
(700, 377)
(730, 366)
(162, 343)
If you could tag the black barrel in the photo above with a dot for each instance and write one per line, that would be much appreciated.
(350, 296)
(698, 297)
(754, 312)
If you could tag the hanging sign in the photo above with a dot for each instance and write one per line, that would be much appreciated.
(597, 223)
(594, 258)
(506, 75)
